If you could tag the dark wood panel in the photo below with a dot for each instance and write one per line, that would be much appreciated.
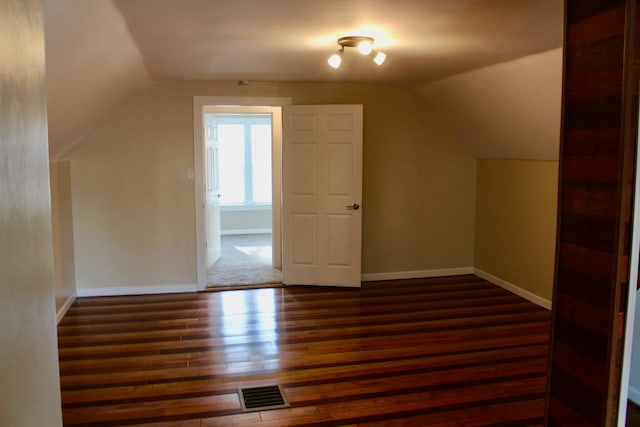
(417, 352)
(585, 287)
(598, 113)
(595, 84)
(591, 232)
(602, 56)
(593, 199)
(633, 415)
(590, 262)
(596, 167)
(577, 397)
(581, 10)
(580, 339)
(590, 29)
(592, 317)
(591, 141)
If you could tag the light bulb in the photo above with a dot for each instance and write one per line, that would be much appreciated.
(365, 47)
(335, 60)
(379, 58)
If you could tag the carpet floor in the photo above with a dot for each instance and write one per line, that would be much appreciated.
(246, 260)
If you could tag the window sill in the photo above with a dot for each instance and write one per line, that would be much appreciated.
(248, 207)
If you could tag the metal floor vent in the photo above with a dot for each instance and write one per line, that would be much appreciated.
(262, 398)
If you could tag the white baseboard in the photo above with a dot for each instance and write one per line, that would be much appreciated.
(246, 231)
(634, 395)
(400, 275)
(65, 307)
(538, 300)
(136, 290)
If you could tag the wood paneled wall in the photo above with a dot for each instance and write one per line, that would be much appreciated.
(596, 171)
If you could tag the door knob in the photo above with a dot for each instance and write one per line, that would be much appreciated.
(353, 207)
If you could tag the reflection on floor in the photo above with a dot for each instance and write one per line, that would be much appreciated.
(246, 260)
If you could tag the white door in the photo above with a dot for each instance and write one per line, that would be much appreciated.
(212, 193)
(322, 195)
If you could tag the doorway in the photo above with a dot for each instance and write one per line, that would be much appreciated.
(204, 105)
(239, 173)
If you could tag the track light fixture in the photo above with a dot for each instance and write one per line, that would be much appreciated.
(363, 44)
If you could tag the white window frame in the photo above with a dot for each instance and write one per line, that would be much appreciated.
(247, 120)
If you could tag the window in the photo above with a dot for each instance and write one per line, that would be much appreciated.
(244, 170)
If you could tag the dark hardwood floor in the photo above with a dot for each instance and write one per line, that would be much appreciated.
(430, 352)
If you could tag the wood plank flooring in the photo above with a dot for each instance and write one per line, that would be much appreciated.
(436, 352)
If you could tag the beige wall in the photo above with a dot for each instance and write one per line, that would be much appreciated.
(516, 222)
(62, 228)
(237, 220)
(509, 111)
(133, 206)
(29, 379)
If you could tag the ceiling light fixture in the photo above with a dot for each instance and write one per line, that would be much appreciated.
(364, 45)
(336, 59)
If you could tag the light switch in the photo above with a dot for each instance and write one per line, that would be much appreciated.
(190, 174)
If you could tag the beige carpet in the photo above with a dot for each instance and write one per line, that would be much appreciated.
(246, 260)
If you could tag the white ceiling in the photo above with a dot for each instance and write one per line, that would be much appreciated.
(101, 53)
(290, 40)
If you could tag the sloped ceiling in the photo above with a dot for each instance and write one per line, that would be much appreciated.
(101, 53)
(93, 68)
(509, 110)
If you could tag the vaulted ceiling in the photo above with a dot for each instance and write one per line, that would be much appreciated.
(101, 53)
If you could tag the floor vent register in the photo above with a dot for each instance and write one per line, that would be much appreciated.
(262, 398)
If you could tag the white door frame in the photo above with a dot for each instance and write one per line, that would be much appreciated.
(202, 104)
